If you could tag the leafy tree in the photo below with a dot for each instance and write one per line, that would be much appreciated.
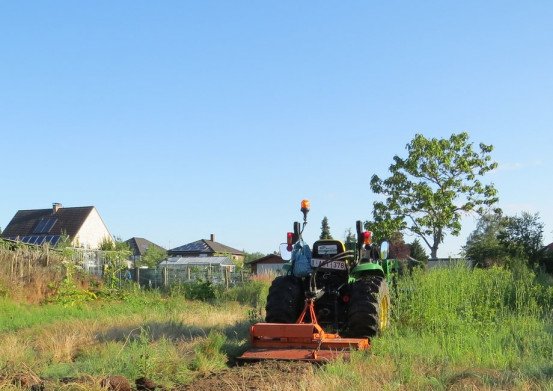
(325, 229)
(116, 252)
(483, 246)
(383, 229)
(523, 237)
(350, 239)
(429, 190)
(152, 256)
(417, 251)
(116, 244)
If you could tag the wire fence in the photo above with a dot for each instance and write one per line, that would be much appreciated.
(96, 261)
(24, 262)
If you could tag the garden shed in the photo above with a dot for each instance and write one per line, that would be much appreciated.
(269, 264)
(200, 262)
(213, 269)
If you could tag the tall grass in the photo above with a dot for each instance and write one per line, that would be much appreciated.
(456, 327)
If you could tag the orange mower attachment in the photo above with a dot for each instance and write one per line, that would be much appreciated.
(299, 341)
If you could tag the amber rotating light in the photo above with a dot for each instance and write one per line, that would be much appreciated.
(305, 205)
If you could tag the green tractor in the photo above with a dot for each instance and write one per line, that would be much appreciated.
(348, 286)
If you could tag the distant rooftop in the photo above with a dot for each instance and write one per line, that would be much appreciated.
(204, 246)
(36, 226)
(140, 245)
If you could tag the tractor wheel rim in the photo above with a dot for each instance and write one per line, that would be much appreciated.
(383, 313)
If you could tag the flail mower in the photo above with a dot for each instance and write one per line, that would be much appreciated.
(332, 299)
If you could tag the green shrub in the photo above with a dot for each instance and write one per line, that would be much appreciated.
(197, 290)
(252, 293)
(67, 292)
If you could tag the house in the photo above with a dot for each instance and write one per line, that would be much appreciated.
(269, 264)
(82, 225)
(206, 248)
(547, 258)
(139, 246)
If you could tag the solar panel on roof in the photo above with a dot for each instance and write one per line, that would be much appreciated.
(40, 240)
(54, 240)
(49, 224)
(40, 226)
(44, 225)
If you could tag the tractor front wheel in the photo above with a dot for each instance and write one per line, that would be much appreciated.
(369, 307)
(285, 299)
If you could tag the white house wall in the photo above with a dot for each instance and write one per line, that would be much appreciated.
(92, 232)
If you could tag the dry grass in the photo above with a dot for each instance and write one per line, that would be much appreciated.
(265, 277)
(15, 352)
(26, 273)
(63, 344)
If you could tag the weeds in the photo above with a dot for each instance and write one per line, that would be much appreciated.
(208, 354)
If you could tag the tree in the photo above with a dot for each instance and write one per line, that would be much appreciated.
(115, 252)
(417, 251)
(523, 237)
(430, 190)
(350, 239)
(483, 247)
(325, 229)
(152, 256)
(383, 229)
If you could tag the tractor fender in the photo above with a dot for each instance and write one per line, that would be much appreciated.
(368, 268)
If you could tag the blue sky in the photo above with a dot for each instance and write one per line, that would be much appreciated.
(181, 119)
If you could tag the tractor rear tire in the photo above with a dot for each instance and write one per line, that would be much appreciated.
(285, 299)
(369, 307)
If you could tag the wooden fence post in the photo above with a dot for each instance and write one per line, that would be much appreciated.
(226, 277)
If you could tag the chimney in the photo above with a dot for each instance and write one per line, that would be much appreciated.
(55, 207)
(212, 237)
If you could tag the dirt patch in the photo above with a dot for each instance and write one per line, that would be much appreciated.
(261, 376)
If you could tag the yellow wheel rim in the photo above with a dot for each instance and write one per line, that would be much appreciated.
(383, 313)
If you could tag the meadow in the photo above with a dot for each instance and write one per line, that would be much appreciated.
(452, 328)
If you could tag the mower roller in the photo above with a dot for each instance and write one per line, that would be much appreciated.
(336, 287)
(300, 341)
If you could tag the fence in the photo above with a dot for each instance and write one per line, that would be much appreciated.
(21, 262)
(165, 277)
(94, 262)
